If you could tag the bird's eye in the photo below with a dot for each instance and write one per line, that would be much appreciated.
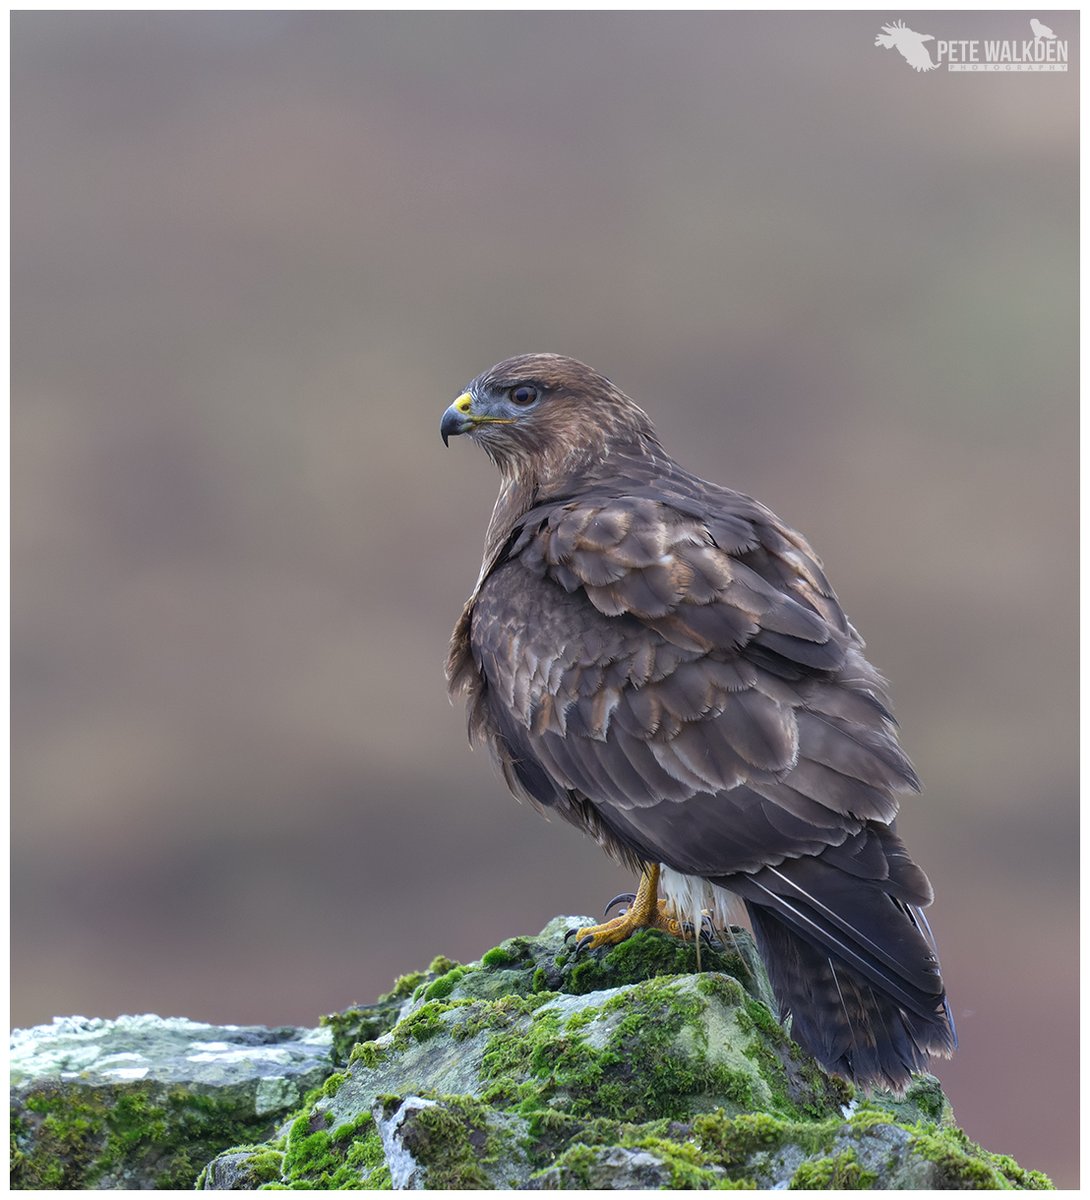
(523, 394)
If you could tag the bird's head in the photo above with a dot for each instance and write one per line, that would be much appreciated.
(543, 412)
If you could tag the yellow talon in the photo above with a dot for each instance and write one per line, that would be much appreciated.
(646, 911)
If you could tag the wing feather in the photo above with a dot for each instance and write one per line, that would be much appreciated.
(648, 657)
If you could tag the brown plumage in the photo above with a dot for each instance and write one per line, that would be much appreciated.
(661, 661)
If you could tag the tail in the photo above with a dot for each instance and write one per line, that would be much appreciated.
(850, 957)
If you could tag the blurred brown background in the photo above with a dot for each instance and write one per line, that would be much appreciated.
(254, 257)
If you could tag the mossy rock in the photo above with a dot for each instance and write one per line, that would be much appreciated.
(654, 1064)
(622, 1068)
(365, 1022)
(144, 1102)
(522, 966)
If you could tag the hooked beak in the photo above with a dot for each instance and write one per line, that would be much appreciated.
(457, 418)
(461, 418)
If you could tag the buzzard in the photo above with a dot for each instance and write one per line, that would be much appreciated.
(661, 661)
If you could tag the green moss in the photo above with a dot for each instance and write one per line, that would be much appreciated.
(865, 1119)
(362, 1023)
(736, 1086)
(407, 985)
(333, 1084)
(637, 1075)
(722, 987)
(575, 1165)
(493, 1015)
(348, 1157)
(772, 1071)
(379, 1180)
(579, 1020)
(499, 956)
(404, 986)
(1019, 1176)
(367, 1022)
(842, 1171)
(647, 954)
(658, 1013)
(963, 1164)
(729, 1141)
(350, 1130)
(425, 1022)
(455, 1139)
(960, 1169)
(798, 1087)
(650, 954)
(365, 1154)
(63, 1155)
(925, 1092)
(264, 1166)
(521, 1069)
(763, 1020)
(686, 1166)
(308, 1153)
(441, 1138)
(370, 1054)
(77, 1137)
(442, 987)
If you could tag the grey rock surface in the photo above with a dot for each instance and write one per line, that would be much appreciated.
(143, 1101)
(97, 1051)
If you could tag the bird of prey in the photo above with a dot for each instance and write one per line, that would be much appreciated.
(661, 661)
(1041, 30)
(908, 43)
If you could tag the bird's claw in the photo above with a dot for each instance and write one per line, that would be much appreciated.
(624, 897)
(580, 945)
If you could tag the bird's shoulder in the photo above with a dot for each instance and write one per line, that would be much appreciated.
(664, 549)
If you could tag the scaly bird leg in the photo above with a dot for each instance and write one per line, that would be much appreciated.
(646, 911)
